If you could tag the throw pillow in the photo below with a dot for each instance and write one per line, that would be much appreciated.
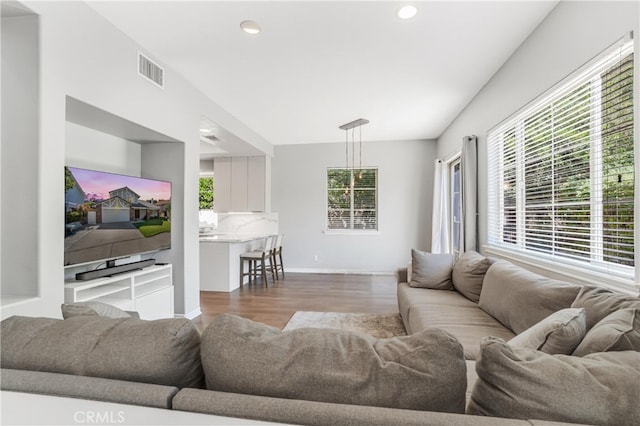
(468, 274)
(92, 308)
(423, 371)
(430, 270)
(163, 352)
(598, 389)
(620, 331)
(559, 333)
(519, 298)
(599, 302)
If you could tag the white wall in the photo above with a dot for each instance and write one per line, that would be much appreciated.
(572, 34)
(87, 148)
(405, 173)
(84, 57)
(20, 201)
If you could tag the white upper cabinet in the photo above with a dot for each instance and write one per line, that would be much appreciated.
(240, 184)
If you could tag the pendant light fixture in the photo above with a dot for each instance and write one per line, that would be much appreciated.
(351, 165)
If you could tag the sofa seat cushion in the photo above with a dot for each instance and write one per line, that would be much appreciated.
(599, 302)
(468, 324)
(519, 298)
(424, 371)
(619, 331)
(599, 389)
(163, 352)
(559, 333)
(410, 296)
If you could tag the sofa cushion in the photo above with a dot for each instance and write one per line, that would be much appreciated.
(519, 298)
(522, 383)
(163, 352)
(468, 274)
(424, 371)
(408, 297)
(619, 331)
(467, 324)
(559, 333)
(430, 270)
(92, 308)
(599, 302)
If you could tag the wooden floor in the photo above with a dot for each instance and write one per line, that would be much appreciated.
(275, 304)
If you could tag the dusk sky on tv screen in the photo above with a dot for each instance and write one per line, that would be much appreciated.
(97, 185)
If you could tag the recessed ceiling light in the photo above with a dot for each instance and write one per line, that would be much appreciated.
(250, 27)
(203, 130)
(407, 12)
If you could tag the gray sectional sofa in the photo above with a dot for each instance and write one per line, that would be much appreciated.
(242, 369)
(535, 347)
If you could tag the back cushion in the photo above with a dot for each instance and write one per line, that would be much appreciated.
(519, 298)
(431, 270)
(599, 389)
(468, 274)
(92, 308)
(164, 352)
(599, 302)
(424, 371)
(619, 331)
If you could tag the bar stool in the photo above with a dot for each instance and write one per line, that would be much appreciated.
(277, 256)
(259, 261)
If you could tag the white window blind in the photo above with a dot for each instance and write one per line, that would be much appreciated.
(352, 199)
(561, 170)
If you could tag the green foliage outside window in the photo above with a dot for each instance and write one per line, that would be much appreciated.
(206, 193)
(352, 199)
(562, 194)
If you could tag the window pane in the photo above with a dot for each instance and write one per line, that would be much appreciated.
(456, 206)
(561, 173)
(206, 193)
(618, 167)
(352, 199)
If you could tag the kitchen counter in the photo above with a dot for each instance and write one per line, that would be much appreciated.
(229, 238)
(220, 259)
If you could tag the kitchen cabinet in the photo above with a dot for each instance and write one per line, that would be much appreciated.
(240, 184)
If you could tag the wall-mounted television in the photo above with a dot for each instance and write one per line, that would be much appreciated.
(111, 216)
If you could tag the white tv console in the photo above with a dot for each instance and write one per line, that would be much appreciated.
(148, 291)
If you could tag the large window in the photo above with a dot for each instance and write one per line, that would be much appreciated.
(561, 171)
(352, 199)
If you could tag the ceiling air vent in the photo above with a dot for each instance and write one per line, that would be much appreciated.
(150, 70)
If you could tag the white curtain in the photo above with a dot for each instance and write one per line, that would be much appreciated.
(469, 189)
(440, 216)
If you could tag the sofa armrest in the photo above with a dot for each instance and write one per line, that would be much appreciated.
(401, 275)
(301, 412)
(84, 387)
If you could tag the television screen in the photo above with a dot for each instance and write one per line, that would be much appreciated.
(110, 216)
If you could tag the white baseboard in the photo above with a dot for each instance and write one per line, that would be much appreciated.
(190, 315)
(337, 271)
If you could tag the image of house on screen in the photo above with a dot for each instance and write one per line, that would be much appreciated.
(124, 205)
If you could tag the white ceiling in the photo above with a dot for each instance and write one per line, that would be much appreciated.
(318, 65)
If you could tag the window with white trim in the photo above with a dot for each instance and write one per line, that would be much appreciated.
(352, 199)
(561, 171)
(455, 205)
